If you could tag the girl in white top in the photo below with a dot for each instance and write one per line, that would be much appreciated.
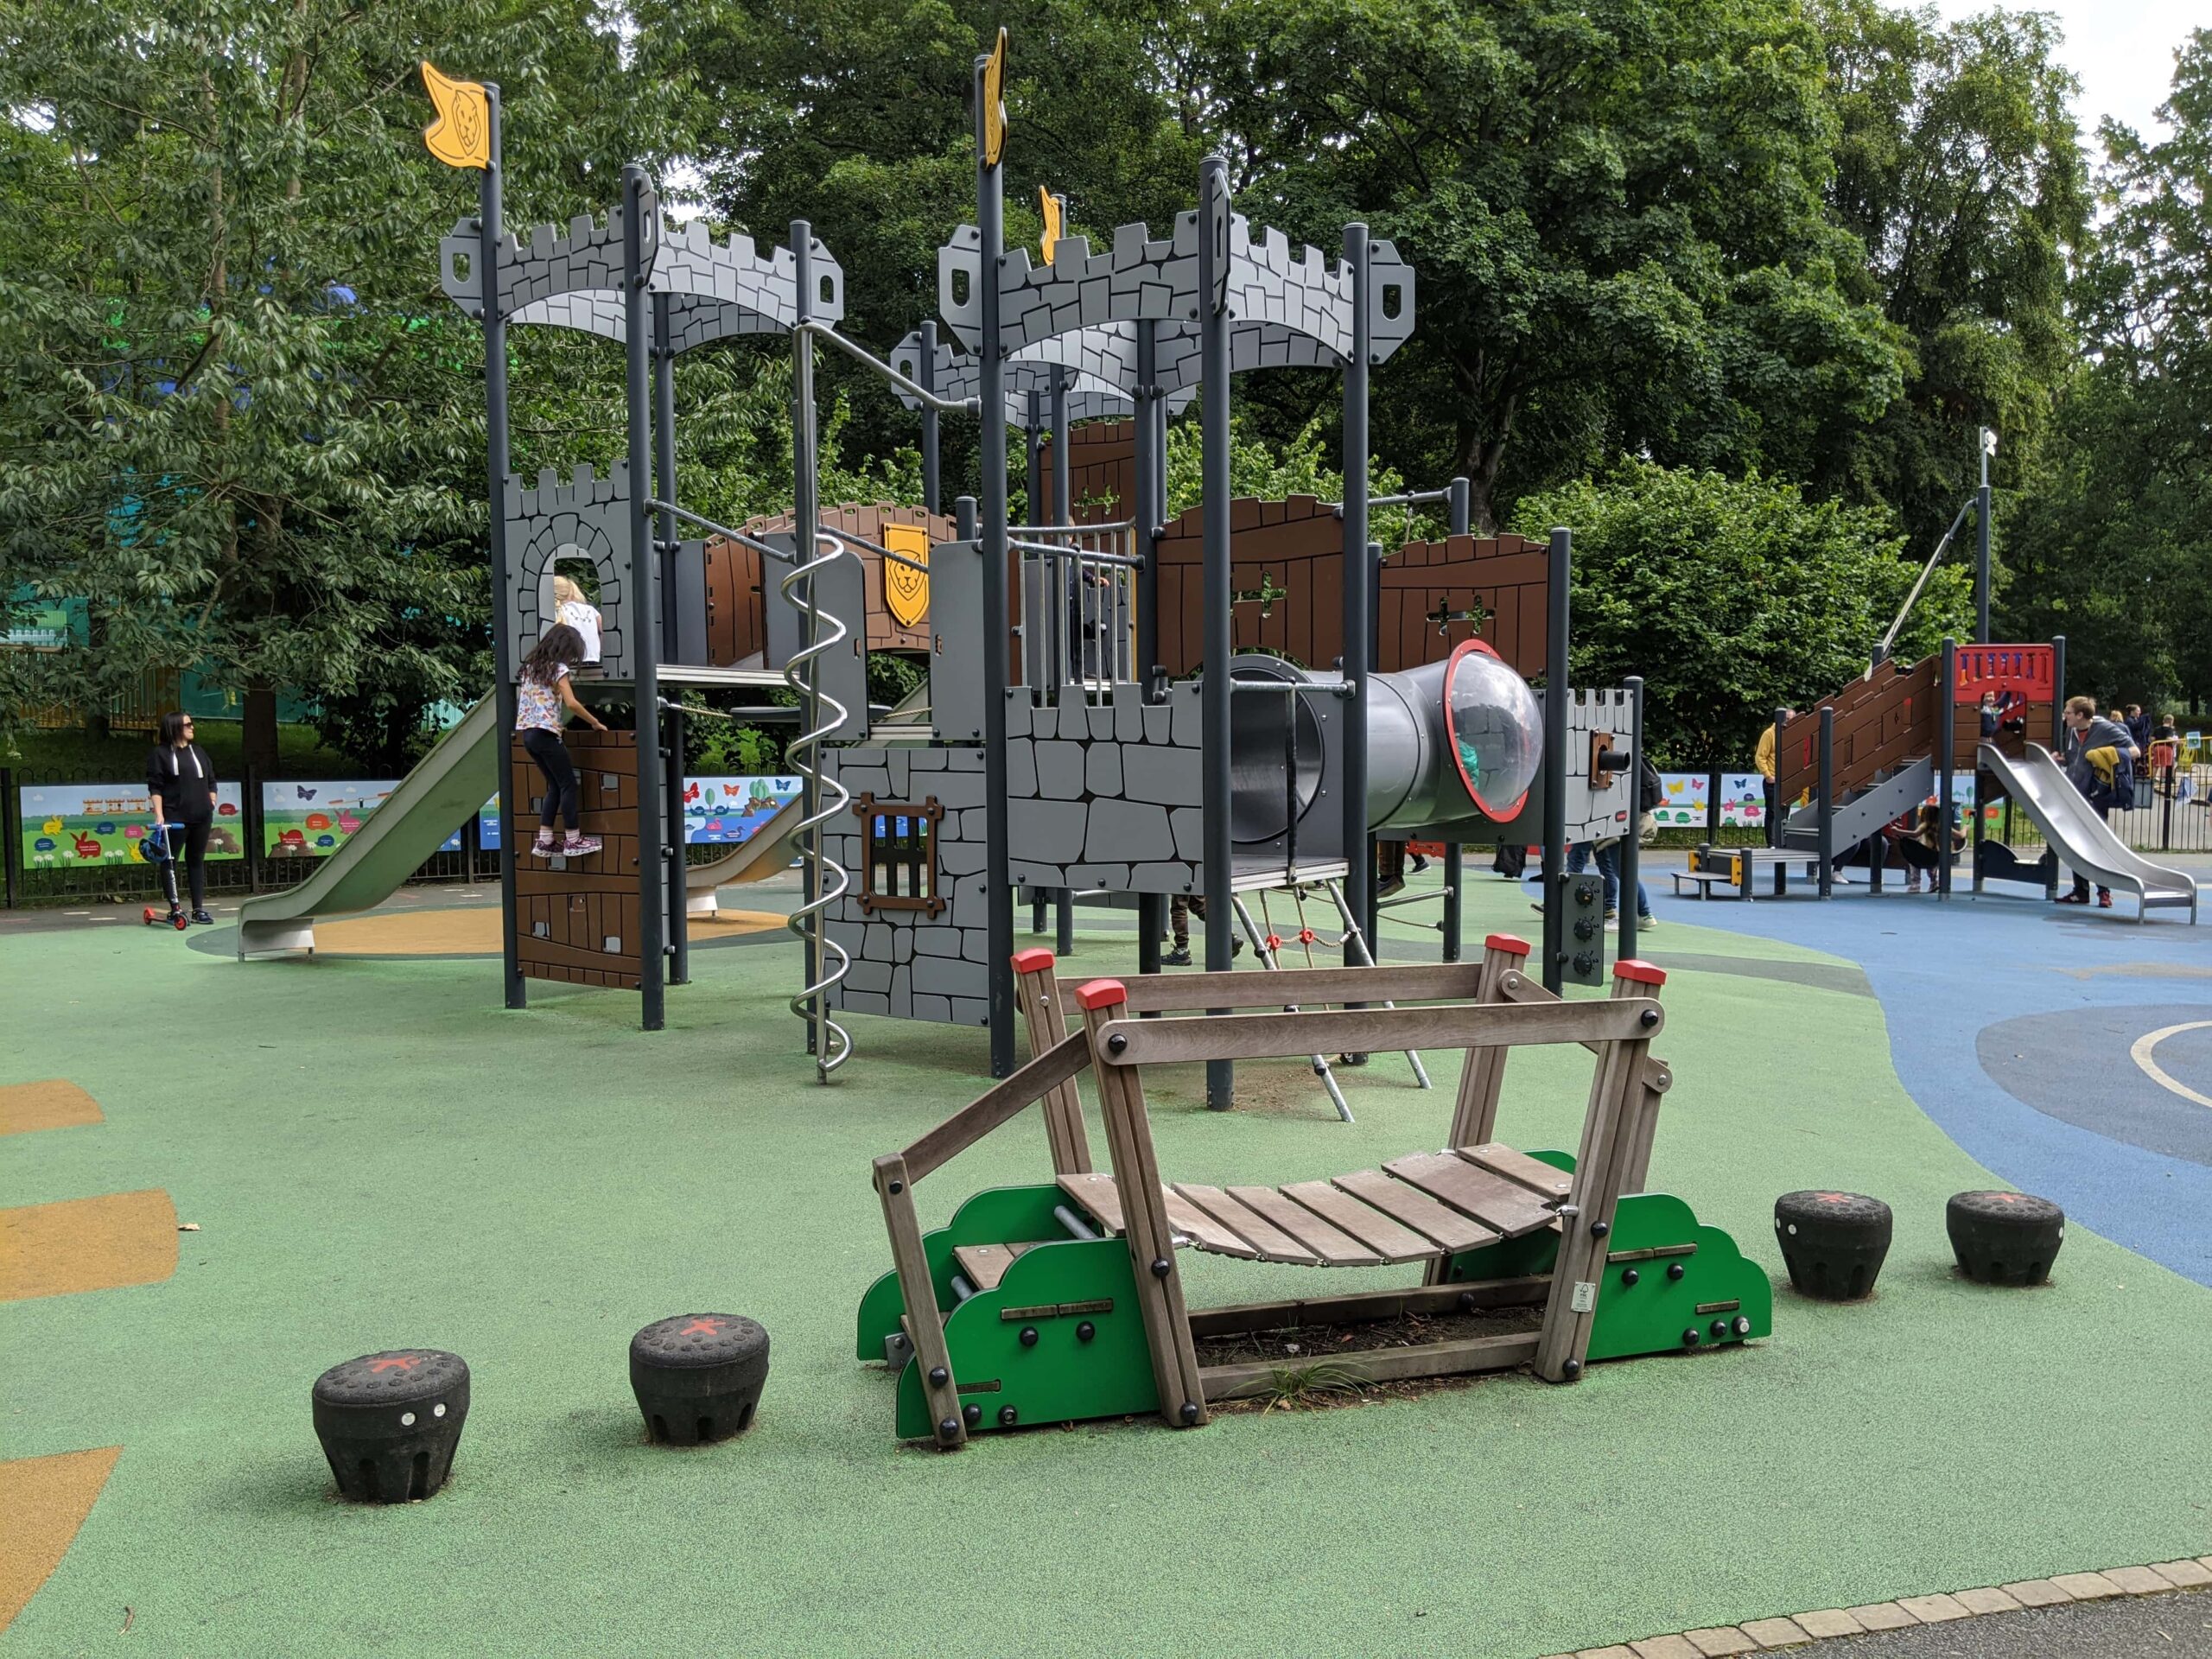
(572, 608)
(544, 701)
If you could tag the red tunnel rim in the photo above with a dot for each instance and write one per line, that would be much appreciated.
(1452, 737)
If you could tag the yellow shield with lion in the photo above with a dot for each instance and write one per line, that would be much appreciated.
(906, 587)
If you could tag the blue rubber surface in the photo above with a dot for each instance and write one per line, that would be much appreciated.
(2010, 1022)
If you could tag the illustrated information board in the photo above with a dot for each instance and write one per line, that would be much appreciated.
(68, 824)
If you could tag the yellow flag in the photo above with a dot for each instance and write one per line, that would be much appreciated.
(1049, 206)
(461, 136)
(994, 104)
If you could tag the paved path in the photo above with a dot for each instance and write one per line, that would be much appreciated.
(2167, 1627)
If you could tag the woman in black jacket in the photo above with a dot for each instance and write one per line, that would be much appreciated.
(182, 785)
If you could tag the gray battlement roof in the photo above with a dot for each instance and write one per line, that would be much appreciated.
(573, 279)
(1287, 308)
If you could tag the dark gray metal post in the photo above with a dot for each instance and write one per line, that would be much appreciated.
(932, 461)
(1631, 858)
(490, 211)
(1556, 696)
(1066, 586)
(645, 633)
(1358, 578)
(1460, 509)
(991, 221)
(1144, 481)
(677, 900)
(1711, 804)
(1947, 744)
(1213, 348)
(1981, 549)
(806, 521)
(1827, 803)
(1778, 808)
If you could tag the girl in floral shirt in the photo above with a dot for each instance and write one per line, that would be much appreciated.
(544, 701)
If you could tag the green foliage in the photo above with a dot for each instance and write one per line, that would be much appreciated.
(1958, 166)
(2113, 548)
(1731, 597)
(1614, 209)
(1265, 471)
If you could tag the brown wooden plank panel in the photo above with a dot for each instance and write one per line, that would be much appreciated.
(983, 1264)
(1263, 1236)
(1499, 1204)
(1533, 1173)
(1095, 1193)
(1449, 1228)
(1329, 1245)
(1201, 1228)
(1390, 1239)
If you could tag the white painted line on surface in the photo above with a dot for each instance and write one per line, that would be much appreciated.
(2140, 1051)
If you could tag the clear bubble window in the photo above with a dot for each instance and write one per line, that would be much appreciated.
(1495, 727)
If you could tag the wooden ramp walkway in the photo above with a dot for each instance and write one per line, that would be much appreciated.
(1413, 1209)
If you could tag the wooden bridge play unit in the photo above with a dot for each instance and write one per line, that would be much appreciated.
(1058, 1302)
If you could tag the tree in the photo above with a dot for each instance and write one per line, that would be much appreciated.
(237, 419)
(1731, 597)
(1958, 166)
(1613, 210)
(2115, 550)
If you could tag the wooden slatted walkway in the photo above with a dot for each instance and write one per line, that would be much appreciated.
(1411, 1210)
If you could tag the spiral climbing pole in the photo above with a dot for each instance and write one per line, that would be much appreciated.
(826, 800)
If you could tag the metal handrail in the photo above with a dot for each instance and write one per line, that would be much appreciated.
(851, 540)
(738, 536)
(1882, 651)
(912, 388)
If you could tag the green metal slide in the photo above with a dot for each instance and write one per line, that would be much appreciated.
(452, 781)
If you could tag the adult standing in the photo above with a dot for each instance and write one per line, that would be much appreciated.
(1764, 758)
(2100, 762)
(181, 783)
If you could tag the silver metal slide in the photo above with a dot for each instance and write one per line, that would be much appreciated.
(2082, 841)
(759, 855)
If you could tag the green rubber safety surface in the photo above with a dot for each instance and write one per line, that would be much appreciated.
(377, 1156)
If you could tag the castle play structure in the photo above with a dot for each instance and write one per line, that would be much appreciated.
(1071, 737)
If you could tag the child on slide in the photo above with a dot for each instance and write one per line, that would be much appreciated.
(544, 701)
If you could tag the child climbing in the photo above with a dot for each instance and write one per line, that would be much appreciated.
(544, 701)
(572, 609)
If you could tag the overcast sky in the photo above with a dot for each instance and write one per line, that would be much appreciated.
(2121, 50)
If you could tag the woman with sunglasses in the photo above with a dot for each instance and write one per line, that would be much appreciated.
(182, 785)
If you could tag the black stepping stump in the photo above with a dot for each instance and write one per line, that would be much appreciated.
(2005, 1238)
(389, 1422)
(699, 1375)
(1833, 1242)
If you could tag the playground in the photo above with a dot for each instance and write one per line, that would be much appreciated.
(1288, 1302)
(350, 1188)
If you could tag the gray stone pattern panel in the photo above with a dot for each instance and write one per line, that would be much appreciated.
(1593, 814)
(906, 963)
(1288, 308)
(589, 517)
(573, 280)
(1105, 795)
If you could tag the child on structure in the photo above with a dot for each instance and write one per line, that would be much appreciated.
(2100, 762)
(544, 701)
(572, 609)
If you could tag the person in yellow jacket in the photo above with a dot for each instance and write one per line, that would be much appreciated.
(1764, 758)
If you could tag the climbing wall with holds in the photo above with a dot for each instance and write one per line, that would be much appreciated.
(577, 918)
